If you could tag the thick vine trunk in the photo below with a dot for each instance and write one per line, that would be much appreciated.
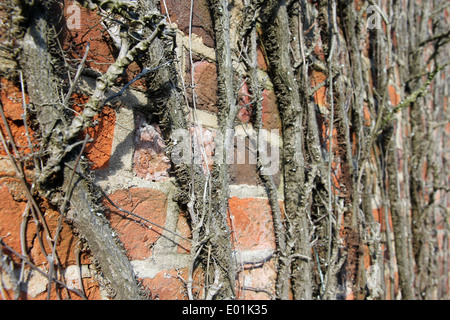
(85, 214)
(276, 40)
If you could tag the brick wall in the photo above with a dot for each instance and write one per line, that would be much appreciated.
(129, 161)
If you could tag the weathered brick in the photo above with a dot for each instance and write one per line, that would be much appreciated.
(261, 60)
(102, 52)
(11, 98)
(204, 143)
(184, 230)
(98, 152)
(252, 223)
(10, 218)
(245, 171)
(394, 96)
(317, 78)
(91, 291)
(245, 108)
(150, 160)
(270, 113)
(138, 239)
(206, 87)
(259, 282)
(179, 13)
(11, 212)
(167, 285)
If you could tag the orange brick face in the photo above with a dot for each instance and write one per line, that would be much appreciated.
(167, 285)
(12, 104)
(11, 98)
(98, 152)
(259, 282)
(138, 238)
(252, 223)
(206, 86)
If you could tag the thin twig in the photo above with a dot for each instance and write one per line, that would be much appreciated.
(23, 238)
(25, 123)
(11, 138)
(259, 290)
(19, 172)
(380, 11)
(80, 271)
(139, 76)
(77, 76)
(416, 94)
(39, 218)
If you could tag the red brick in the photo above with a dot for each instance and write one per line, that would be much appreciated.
(318, 50)
(10, 221)
(270, 113)
(243, 173)
(91, 291)
(317, 78)
(262, 278)
(262, 64)
(179, 12)
(167, 285)
(394, 96)
(102, 52)
(247, 172)
(366, 257)
(204, 137)
(137, 238)
(252, 223)
(206, 86)
(15, 188)
(171, 284)
(245, 109)
(67, 242)
(184, 229)
(11, 98)
(150, 160)
(98, 152)
(130, 73)
(367, 116)
(10, 218)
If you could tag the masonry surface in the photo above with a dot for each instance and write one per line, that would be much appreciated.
(129, 161)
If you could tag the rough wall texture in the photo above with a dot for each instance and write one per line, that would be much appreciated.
(129, 161)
